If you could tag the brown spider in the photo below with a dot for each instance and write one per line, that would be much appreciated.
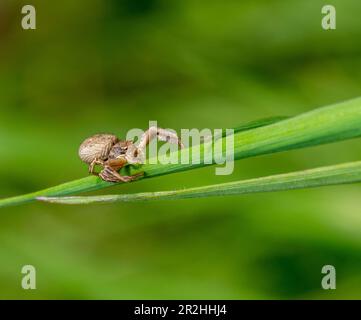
(112, 154)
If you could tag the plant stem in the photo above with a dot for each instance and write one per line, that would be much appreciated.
(324, 125)
(324, 176)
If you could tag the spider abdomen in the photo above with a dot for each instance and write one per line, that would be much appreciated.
(96, 147)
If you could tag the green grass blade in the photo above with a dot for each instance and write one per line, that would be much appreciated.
(324, 125)
(324, 176)
(258, 123)
(93, 183)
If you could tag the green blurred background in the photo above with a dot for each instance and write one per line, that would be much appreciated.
(109, 66)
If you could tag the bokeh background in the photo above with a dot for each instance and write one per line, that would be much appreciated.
(111, 65)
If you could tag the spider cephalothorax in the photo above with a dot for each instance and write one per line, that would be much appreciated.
(112, 153)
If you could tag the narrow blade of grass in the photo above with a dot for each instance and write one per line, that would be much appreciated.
(324, 176)
(324, 125)
(93, 183)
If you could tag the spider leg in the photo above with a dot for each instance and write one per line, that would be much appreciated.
(93, 164)
(116, 164)
(110, 175)
(154, 133)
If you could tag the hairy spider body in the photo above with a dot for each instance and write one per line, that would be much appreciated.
(97, 147)
(112, 153)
